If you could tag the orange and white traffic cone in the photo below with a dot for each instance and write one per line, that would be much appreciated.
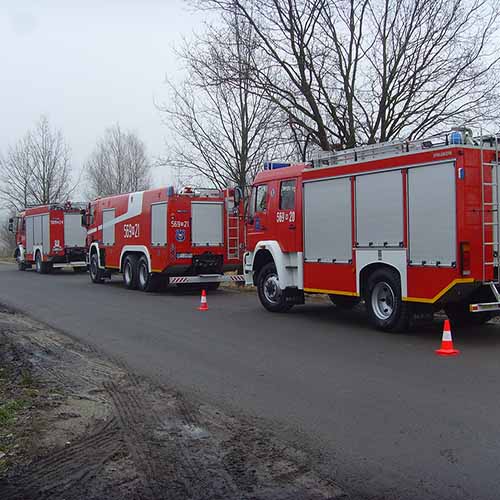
(203, 303)
(447, 348)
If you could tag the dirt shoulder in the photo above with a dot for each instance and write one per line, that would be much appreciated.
(75, 424)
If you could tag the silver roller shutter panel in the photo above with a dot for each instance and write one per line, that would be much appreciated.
(108, 227)
(327, 220)
(159, 224)
(207, 225)
(432, 214)
(74, 233)
(37, 230)
(379, 209)
(45, 233)
(29, 234)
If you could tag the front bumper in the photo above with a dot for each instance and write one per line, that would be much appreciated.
(248, 268)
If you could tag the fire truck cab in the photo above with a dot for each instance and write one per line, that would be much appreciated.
(49, 237)
(161, 237)
(408, 227)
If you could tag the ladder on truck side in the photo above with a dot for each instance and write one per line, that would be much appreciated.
(490, 214)
(232, 231)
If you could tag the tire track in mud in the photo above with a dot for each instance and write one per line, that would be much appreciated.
(166, 451)
(153, 468)
(204, 473)
(51, 476)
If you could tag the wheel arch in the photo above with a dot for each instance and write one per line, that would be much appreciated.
(369, 269)
(261, 258)
(138, 250)
(94, 249)
(265, 252)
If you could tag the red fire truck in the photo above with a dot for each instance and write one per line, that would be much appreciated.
(408, 227)
(161, 237)
(50, 236)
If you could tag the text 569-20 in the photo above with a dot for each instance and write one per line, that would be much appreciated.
(131, 230)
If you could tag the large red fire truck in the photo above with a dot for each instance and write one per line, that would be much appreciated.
(49, 236)
(408, 227)
(161, 237)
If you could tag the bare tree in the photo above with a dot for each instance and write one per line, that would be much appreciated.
(223, 129)
(36, 170)
(118, 164)
(356, 71)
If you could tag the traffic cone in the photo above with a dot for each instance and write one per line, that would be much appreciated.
(447, 348)
(203, 303)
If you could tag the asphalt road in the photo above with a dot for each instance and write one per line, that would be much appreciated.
(380, 413)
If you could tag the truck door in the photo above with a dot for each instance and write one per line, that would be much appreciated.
(21, 231)
(284, 214)
(257, 221)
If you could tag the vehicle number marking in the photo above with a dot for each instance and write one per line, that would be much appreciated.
(179, 223)
(285, 216)
(131, 230)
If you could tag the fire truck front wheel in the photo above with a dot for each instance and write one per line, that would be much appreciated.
(130, 272)
(270, 294)
(384, 304)
(94, 272)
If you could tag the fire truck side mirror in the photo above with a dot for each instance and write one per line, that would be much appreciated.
(238, 195)
(84, 218)
(11, 225)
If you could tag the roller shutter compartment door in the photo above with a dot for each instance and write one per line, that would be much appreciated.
(207, 224)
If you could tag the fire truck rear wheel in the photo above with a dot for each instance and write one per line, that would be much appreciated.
(131, 272)
(270, 294)
(146, 281)
(41, 267)
(384, 304)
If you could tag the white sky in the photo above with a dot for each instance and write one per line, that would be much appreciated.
(88, 65)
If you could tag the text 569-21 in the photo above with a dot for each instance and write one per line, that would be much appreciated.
(131, 230)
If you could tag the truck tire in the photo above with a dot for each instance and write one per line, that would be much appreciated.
(96, 275)
(130, 272)
(386, 309)
(344, 301)
(146, 281)
(459, 315)
(270, 294)
(41, 267)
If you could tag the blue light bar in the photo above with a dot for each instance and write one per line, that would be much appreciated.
(269, 165)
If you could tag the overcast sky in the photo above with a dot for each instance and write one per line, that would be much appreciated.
(88, 65)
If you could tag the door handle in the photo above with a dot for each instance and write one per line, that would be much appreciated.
(292, 226)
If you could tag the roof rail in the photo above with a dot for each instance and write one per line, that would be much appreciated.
(203, 192)
(455, 136)
(59, 205)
